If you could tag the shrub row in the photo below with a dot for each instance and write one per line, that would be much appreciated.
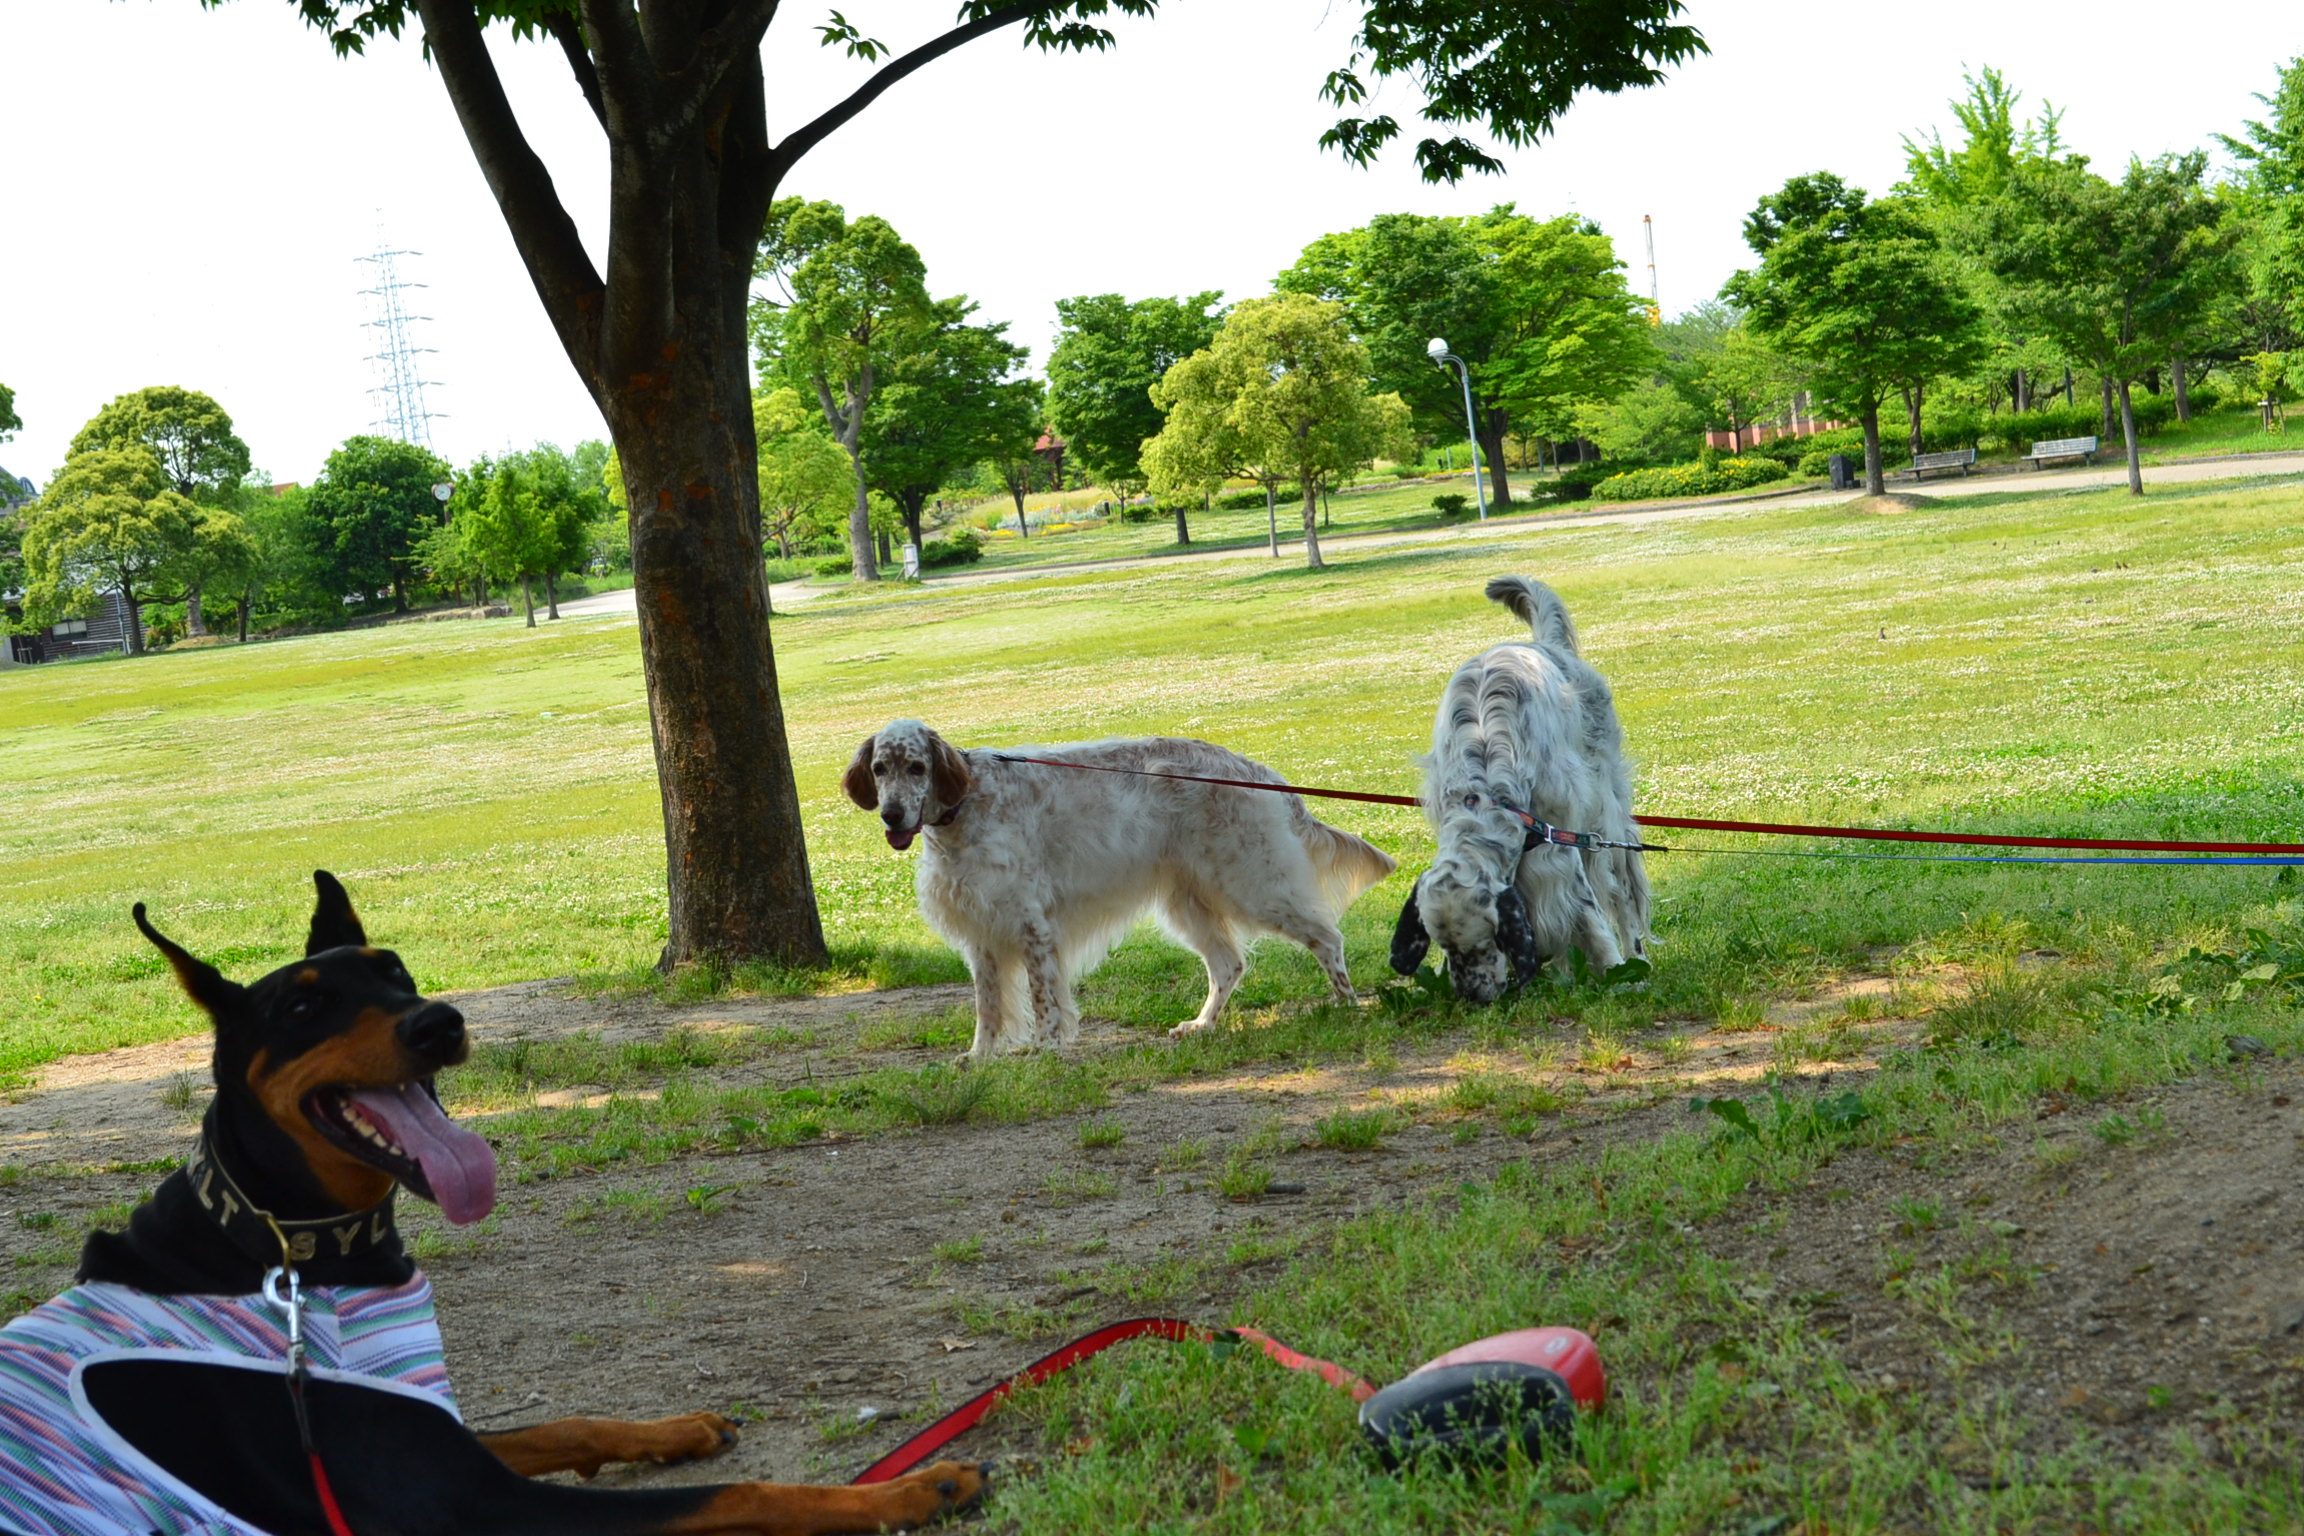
(1688, 480)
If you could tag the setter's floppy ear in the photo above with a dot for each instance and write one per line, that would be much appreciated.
(1515, 937)
(334, 924)
(948, 774)
(1409, 940)
(858, 781)
(201, 982)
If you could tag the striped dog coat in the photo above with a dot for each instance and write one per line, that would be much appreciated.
(64, 1472)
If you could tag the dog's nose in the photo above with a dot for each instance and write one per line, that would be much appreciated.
(891, 815)
(434, 1033)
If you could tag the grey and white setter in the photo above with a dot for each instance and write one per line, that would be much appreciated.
(1033, 871)
(1525, 727)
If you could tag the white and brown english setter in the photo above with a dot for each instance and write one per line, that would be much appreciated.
(1032, 871)
(1525, 727)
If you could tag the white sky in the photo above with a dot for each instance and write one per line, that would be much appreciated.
(185, 192)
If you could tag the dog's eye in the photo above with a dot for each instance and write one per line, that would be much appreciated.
(301, 1009)
(915, 769)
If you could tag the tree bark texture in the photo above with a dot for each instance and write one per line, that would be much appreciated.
(2104, 422)
(1272, 519)
(527, 600)
(551, 596)
(659, 340)
(194, 623)
(2178, 382)
(2128, 433)
(1875, 483)
(1312, 560)
(135, 607)
(1183, 531)
(1912, 404)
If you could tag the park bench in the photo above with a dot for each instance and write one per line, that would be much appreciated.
(1960, 459)
(2062, 448)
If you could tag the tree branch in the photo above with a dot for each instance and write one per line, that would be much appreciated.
(802, 140)
(627, 80)
(737, 36)
(542, 231)
(570, 36)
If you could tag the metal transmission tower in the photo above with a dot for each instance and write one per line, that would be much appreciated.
(401, 387)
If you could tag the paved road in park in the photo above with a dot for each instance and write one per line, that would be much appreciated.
(789, 594)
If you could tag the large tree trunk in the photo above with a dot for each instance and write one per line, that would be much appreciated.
(2178, 382)
(659, 340)
(1875, 482)
(1912, 404)
(2023, 400)
(527, 600)
(192, 617)
(134, 639)
(1312, 559)
(399, 591)
(551, 596)
(1183, 530)
(2135, 453)
(246, 599)
(1272, 519)
(912, 512)
(1016, 491)
(2104, 421)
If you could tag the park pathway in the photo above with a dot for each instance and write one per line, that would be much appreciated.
(785, 596)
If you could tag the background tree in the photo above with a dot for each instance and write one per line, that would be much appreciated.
(192, 437)
(807, 484)
(1109, 353)
(10, 422)
(1537, 309)
(2268, 206)
(851, 297)
(111, 521)
(218, 554)
(291, 555)
(658, 338)
(944, 403)
(2118, 276)
(374, 500)
(1020, 468)
(1858, 295)
(1282, 392)
(509, 526)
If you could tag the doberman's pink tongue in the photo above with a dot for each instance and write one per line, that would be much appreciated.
(457, 1163)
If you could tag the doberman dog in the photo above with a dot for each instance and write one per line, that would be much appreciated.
(168, 1391)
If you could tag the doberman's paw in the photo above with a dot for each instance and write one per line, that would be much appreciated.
(690, 1437)
(935, 1491)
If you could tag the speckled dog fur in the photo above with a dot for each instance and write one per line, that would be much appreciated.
(1032, 872)
(1526, 724)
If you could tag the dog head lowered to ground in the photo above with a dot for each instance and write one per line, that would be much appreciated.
(1526, 729)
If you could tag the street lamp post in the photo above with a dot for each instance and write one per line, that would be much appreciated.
(1437, 350)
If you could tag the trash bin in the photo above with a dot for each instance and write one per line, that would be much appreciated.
(1843, 478)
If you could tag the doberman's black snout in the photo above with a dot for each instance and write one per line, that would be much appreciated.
(434, 1033)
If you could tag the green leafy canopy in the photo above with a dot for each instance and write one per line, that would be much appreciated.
(1511, 67)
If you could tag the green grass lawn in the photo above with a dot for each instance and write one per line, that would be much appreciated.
(2057, 664)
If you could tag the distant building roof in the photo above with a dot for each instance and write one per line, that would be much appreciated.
(14, 489)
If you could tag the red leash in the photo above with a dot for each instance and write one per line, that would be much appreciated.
(1701, 824)
(969, 1414)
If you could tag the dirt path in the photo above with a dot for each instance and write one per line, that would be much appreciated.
(805, 1283)
(2140, 1279)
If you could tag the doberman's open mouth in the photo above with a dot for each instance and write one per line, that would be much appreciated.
(404, 1131)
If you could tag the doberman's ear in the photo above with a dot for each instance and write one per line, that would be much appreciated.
(1515, 937)
(858, 782)
(201, 982)
(1409, 940)
(334, 923)
(948, 774)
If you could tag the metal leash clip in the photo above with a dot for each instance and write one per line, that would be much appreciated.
(291, 1305)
